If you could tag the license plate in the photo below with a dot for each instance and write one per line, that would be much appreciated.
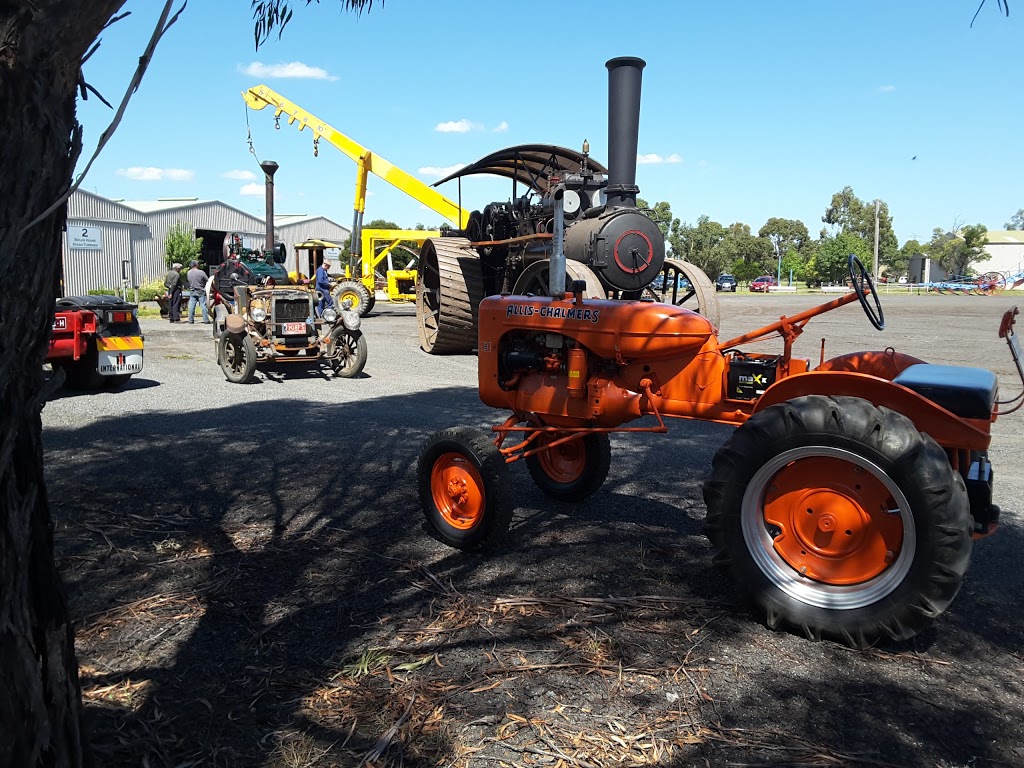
(116, 363)
(294, 328)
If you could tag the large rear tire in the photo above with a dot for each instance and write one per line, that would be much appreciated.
(355, 292)
(236, 355)
(839, 520)
(574, 470)
(463, 488)
(449, 289)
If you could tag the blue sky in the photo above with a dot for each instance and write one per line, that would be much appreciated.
(750, 109)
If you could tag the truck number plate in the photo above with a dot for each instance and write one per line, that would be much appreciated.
(60, 323)
(295, 328)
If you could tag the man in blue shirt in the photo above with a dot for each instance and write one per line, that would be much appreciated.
(323, 284)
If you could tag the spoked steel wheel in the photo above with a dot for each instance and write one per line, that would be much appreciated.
(346, 351)
(534, 279)
(237, 357)
(449, 289)
(685, 285)
(839, 519)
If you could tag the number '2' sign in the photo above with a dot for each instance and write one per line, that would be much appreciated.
(85, 238)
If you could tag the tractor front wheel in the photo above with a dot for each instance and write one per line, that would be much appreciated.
(463, 488)
(571, 471)
(347, 352)
(839, 520)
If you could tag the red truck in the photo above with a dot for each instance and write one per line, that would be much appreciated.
(96, 341)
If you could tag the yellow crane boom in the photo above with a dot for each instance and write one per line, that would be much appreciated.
(260, 97)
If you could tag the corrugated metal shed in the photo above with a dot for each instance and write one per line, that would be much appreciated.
(1006, 247)
(115, 232)
(292, 229)
(211, 220)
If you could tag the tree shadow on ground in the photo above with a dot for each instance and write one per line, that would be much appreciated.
(263, 593)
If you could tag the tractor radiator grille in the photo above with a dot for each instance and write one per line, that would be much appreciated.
(290, 311)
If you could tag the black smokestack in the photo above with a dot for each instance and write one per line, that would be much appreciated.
(624, 75)
(269, 169)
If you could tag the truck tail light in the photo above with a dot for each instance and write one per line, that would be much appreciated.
(119, 317)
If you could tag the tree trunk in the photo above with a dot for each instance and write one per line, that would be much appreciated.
(41, 46)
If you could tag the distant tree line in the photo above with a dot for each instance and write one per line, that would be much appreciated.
(849, 228)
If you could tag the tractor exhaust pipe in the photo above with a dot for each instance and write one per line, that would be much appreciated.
(269, 169)
(624, 76)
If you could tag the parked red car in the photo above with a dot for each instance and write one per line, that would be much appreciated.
(761, 284)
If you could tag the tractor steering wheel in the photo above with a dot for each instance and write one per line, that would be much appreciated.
(859, 276)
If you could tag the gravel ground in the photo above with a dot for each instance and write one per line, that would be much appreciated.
(252, 583)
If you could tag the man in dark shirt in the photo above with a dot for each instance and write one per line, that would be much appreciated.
(197, 292)
(172, 282)
(323, 285)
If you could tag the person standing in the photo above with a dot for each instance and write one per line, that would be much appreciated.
(323, 284)
(197, 291)
(172, 282)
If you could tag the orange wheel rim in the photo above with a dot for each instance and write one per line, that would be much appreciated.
(564, 463)
(458, 490)
(834, 519)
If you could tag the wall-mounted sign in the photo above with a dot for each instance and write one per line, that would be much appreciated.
(332, 253)
(85, 238)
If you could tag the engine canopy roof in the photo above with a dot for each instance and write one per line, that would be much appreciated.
(529, 164)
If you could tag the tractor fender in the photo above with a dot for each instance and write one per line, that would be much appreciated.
(234, 324)
(946, 428)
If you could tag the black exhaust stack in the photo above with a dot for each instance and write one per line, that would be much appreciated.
(624, 77)
(269, 169)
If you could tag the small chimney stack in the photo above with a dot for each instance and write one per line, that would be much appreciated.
(269, 169)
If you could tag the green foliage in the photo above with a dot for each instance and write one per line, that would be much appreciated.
(181, 245)
(785, 234)
(102, 291)
(831, 262)
(150, 289)
(1016, 221)
(660, 214)
(899, 265)
(744, 254)
(696, 244)
(852, 215)
(956, 251)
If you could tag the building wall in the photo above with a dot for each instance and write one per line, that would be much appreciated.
(1006, 257)
(319, 228)
(209, 215)
(86, 270)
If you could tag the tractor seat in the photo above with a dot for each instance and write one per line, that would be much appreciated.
(967, 392)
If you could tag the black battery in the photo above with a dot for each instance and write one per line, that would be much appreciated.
(749, 377)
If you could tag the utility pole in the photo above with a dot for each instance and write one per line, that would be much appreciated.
(874, 272)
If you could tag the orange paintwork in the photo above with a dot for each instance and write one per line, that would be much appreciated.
(642, 358)
(458, 490)
(836, 530)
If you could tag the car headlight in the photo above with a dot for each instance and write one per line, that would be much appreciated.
(259, 315)
(351, 320)
(330, 315)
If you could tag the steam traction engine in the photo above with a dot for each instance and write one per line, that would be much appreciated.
(844, 505)
(615, 249)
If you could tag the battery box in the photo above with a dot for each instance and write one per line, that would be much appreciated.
(749, 376)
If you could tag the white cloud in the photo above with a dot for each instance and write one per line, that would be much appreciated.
(292, 69)
(456, 126)
(886, 88)
(239, 175)
(252, 189)
(654, 159)
(501, 127)
(433, 170)
(149, 173)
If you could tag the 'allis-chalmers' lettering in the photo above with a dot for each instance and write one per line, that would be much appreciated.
(555, 313)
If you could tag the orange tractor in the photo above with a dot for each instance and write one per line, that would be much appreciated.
(844, 505)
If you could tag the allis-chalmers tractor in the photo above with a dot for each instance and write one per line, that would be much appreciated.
(844, 505)
(615, 249)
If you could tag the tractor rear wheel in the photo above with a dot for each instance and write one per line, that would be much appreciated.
(237, 357)
(574, 470)
(839, 519)
(686, 285)
(355, 292)
(463, 488)
(449, 289)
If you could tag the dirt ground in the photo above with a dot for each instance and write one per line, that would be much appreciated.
(252, 584)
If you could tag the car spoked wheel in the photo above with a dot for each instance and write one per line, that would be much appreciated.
(346, 351)
(839, 520)
(237, 357)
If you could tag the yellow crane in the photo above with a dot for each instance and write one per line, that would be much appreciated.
(365, 242)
